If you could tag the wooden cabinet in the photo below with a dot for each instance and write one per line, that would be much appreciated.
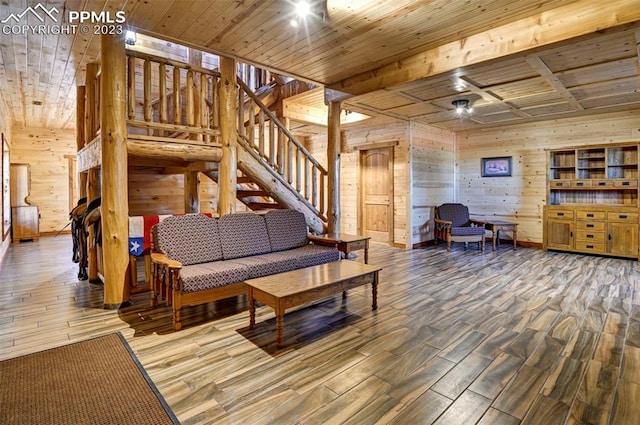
(592, 200)
(25, 223)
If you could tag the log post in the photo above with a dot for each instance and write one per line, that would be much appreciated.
(91, 90)
(80, 135)
(333, 167)
(82, 185)
(194, 57)
(80, 117)
(228, 176)
(191, 192)
(93, 191)
(115, 204)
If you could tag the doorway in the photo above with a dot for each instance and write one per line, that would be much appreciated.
(376, 194)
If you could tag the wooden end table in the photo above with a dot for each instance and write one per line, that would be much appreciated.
(344, 242)
(297, 287)
(496, 226)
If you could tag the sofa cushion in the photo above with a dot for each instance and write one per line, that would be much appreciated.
(312, 255)
(242, 235)
(268, 264)
(287, 229)
(200, 277)
(190, 239)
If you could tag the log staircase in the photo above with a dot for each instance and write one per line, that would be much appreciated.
(274, 168)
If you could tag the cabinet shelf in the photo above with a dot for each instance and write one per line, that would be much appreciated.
(582, 158)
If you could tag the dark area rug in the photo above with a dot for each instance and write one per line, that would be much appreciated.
(98, 381)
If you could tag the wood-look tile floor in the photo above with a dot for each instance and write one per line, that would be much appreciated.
(493, 338)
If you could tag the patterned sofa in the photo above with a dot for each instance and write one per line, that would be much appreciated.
(197, 259)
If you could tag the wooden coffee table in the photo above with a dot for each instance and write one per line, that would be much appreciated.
(285, 290)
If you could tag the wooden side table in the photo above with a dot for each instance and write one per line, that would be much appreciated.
(495, 226)
(345, 243)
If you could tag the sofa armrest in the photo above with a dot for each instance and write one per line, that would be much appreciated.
(167, 269)
(324, 240)
(163, 260)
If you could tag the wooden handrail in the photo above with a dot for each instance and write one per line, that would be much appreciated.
(245, 144)
(175, 96)
(284, 129)
(171, 62)
(283, 155)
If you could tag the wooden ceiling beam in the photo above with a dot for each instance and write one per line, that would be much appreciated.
(638, 45)
(548, 75)
(566, 22)
(490, 97)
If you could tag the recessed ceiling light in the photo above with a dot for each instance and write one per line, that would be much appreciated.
(303, 8)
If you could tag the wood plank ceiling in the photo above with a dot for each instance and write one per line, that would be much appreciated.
(514, 60)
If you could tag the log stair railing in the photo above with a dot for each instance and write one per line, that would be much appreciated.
(285, 163)
(178, 104)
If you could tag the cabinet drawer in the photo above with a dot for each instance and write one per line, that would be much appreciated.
(588, 246)
(580, 183)
(591, 226)
(622, 216)
(568, 214)
(625, 183)
(559, 183)
(586, 236)
(590, 215)
(602, 183)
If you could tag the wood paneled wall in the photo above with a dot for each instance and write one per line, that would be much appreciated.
(151, 193)
(45, 149)
(522, 196)
(423, 174)
(432, 176)
(359, 137)
(6, 130)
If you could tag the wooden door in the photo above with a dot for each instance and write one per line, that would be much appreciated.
(376, 194)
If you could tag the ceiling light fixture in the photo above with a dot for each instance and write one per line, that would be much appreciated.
(130, 38)
(462, 105)
(302, 10)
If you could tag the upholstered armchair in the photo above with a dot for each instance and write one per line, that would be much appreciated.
(452, 224)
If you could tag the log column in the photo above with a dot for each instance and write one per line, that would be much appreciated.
(228, 176)
(333, 168)
(93, 192)
(115, 199)
(191, 192)
(80, 136)
(91, 90)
